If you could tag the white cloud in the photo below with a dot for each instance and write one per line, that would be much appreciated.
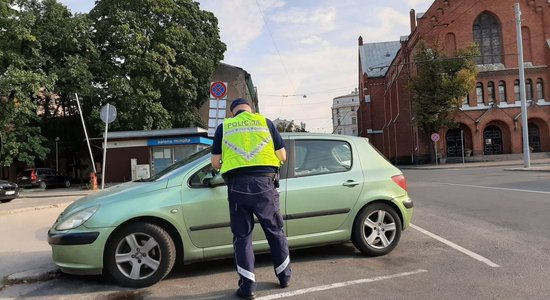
(389, 25)
(319, 16)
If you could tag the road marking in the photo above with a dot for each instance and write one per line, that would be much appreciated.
(456, 247)
(338, 285)
(494, 188)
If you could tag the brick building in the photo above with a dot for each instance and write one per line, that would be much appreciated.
(489, 119)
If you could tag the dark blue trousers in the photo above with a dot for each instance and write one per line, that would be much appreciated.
(249, 196)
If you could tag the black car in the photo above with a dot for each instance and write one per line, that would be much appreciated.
(42, 178)
(8, 191)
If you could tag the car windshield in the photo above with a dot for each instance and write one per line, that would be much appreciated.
(178, 164)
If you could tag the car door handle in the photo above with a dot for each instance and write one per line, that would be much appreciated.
(351, 183)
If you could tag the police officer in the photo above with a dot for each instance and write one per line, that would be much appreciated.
(248, 150)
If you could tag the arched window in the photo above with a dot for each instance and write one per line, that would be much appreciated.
(502, 91)
(450, 44)
(526, 37)
(540, 89)
(487, 35)
(491, 91)
(479, 92)
(528, 89)
(516, 90)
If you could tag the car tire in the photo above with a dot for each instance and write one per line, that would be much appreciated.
(43, 185)
(377, 229)
(67, 183)
(131, 266)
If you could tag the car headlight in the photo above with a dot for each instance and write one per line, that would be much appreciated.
(77, 219)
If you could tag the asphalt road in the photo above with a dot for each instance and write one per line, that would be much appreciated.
(478, 233)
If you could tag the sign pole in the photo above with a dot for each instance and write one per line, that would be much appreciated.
(104, 150)
(435, 146)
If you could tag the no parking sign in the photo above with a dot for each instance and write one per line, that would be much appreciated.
(218, 90)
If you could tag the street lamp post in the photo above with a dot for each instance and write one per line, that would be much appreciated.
(56, 156)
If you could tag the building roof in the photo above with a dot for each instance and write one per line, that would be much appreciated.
(375, 57)
(154, 133)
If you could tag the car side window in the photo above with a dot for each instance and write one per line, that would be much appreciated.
(201, 177)
(313, 157)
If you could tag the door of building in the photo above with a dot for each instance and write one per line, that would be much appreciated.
(534, 137)
(493, 140)
(454, 143)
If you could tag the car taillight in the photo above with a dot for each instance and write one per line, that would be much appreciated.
(400, 180)
(33, 175)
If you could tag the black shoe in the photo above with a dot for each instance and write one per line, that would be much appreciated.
(284, 284)
(240, 294)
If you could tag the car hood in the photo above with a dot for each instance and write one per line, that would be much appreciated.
(115, 193)
(5, 182)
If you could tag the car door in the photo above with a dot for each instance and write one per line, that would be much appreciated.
(324, 183)
(206, 212)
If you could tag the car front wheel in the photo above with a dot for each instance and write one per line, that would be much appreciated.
(67, 183)
(139, 255)
(377, 230)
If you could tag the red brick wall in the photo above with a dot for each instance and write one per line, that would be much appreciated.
(449, 23)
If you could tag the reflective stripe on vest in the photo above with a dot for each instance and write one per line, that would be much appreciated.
(247, 142)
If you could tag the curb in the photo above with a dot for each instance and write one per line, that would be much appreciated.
(18, 210)
(34, 275)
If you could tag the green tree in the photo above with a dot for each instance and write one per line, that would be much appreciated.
(157, 57)
(44, 57)
(440, 85)
(286, 126)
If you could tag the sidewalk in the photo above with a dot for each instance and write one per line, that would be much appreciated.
(537, 165)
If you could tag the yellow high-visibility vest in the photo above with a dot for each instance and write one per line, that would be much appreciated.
(247, 142)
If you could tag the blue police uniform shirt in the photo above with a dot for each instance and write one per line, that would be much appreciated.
(277, 141)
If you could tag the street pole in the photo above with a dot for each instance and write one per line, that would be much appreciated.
(525, 132)
(56, 155)
(105, 151)
(462, 143)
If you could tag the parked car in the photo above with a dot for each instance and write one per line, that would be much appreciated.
(333, 189)
(43, 178)
(8, 191)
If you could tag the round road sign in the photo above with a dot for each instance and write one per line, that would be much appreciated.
(108, 113)
(218, 90)
(435, 137)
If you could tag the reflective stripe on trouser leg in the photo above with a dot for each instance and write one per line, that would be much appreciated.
(249, 275)
(282, 266)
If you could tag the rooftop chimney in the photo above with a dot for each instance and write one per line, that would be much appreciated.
(412, 15)
(360, 41)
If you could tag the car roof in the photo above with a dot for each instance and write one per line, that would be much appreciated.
(319, 135)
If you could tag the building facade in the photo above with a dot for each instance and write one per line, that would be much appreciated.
(489, 119)
(344, 114)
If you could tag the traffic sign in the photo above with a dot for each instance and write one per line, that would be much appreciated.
(218, 89)
(435, 137)
(108, 113)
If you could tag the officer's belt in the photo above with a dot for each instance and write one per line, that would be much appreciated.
(270, 175)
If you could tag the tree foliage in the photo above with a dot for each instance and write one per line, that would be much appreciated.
(290, 126)
(440, 85)
(157, 57)
(152, 59)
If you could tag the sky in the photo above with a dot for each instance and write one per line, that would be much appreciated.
(301, 54)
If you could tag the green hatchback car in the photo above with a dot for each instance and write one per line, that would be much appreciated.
(333, 189)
